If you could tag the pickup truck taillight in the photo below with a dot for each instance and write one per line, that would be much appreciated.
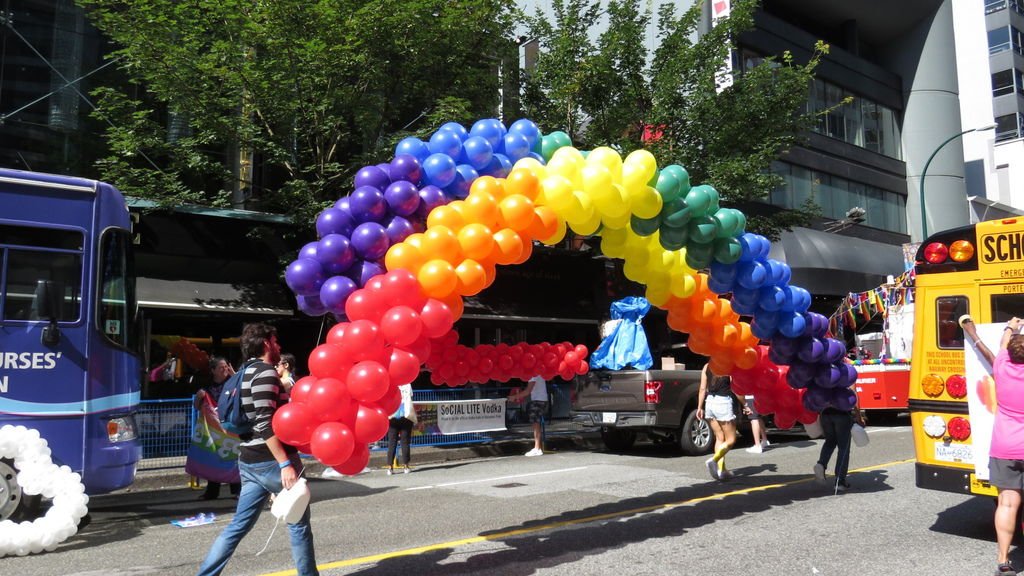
(652, 391)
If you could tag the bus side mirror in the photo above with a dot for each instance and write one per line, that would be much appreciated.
(46, 306)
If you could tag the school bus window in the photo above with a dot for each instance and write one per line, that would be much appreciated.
(948, 310)
(1006, 306)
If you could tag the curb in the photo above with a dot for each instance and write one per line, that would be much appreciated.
(175, 478)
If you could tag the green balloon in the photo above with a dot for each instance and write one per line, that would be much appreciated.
(695, 261)
(654, 179)
(698, 200)
(679, 218)
(668, 186)
(538, 145)
(670, 240)
(727, 250)
(728, 222)
(701, 250)
(682, 175)
(548, 147)
(703, 229)
(645, 226)
(562, 138)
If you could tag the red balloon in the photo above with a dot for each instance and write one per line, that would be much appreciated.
(300, 391)
(568, 375)
(401, 325)
(437, 319)
(294, 422)
(583, 368)
(421, 348)
(371, 423)
(368, 381)
(571, 358)
(391, 401)
(329, 399)
(332, 443)
(357, 462)
(403, 367)
(329, 361)
(364, 304)
(550, 361)
(363, 340)
(485, 366)
(581, 351)
(335, 334)
(401, 288)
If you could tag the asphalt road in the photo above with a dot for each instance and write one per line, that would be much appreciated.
(650, 511)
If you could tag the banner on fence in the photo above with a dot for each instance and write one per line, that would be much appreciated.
(462, 416)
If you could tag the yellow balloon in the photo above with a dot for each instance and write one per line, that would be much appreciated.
(639, 168)
(634, 271)
(682, 285)
(587, 227)
(533, 165)
(615, 222)
(608, 158)
(557, 193)
(657, 295)
(616, 204)
(557, 237)
(646, 202)
(613, 243)
(567, 162)
(597, 182)
(580, 210)
(637, 254)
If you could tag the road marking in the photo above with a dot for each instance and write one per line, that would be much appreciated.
(508, 533)
(445, 485)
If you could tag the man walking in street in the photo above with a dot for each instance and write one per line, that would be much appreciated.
(266, 465)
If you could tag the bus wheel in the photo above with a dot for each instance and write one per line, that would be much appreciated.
(14, 503)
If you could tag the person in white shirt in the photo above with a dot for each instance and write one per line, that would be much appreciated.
(537, 390)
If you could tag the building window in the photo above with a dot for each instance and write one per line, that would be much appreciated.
(999, 40)
(1002, 83)
(997, 5)
(1007, 127)
(861, 122)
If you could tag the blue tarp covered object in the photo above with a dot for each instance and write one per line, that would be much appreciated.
(627, 344)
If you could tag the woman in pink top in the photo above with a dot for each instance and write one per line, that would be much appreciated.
(1006, 454)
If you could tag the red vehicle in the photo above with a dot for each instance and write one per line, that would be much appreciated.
(883, 385)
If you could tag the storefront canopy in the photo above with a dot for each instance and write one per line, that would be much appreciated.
(211, 297)
(829, 264)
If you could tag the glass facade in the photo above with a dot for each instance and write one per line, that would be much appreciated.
(861, 121)
(997, 5)
(885, 209)
(1007, 82)
(1008, 127)
(1004, 38)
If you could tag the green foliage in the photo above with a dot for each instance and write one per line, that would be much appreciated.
(606, 92)
(311, 87)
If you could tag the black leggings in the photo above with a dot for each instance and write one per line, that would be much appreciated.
(398, 426)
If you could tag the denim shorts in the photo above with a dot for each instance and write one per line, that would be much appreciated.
(719, 408)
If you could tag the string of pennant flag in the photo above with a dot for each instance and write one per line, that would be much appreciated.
(860, 307)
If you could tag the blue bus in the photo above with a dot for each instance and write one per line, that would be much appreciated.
(69, 339)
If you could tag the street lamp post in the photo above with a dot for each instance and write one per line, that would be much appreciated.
(924, 221)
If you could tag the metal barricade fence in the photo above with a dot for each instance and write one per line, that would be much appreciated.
(165, 426)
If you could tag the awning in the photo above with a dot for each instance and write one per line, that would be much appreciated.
(212, 297)
(829, 264)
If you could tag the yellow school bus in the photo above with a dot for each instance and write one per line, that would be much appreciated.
(976, 270)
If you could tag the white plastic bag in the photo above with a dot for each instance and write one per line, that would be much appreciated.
(814, 429)
(859, 435)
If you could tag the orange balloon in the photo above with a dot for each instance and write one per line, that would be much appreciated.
(489, 185)
(508, 246)
(491, 272)
(698, 344)
(517, 212)
(440, 242)
(472, 277)
(704, 311)
(455, 304)
(481, 207)
(527, 248)
(725, 313)
(747, 358)
(437, 278)
(726, 336)
(415, 240)
(446, 216)
(721, 365)
(404, 256)
(747, 337)
(521, 181)
(545, 223)
(678, 322)
(477, 241)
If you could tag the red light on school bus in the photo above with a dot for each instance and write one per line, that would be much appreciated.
(936, 253)
(956, 385)
(961, 251)
(959, 428)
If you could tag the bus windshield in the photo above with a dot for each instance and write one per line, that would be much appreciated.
(116, 306)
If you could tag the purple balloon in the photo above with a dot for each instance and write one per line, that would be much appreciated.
(816, 398)
(364, 271)
(308, 251)
(430, 197)
(311, 305)
(368, 205)
(333, 221)
(385, 167)
(413, 147)
(843, 399)
(834, 350)
(335, 254)
(372, 176)
(786, 346)
(304, 276)
(464, 178)
(439, 170)
(402, 197)
(827, 376)
(819, 324)
(406, 167)
(851, 375)
(780, 358)
(812, 351)
(370, 241)
(343, 205)
(800, 374)
(445, 142)
(398, 229)
(335, 292)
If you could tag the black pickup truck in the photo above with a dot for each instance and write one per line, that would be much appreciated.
(659, 403)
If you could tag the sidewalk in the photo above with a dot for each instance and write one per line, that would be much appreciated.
(560, 435)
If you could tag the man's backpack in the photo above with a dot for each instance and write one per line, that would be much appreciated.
(229, 406)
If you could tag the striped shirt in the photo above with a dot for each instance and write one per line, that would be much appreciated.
(262, 394)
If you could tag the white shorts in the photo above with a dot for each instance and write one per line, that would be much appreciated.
(719, 408)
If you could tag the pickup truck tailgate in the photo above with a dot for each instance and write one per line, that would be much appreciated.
(594, 392)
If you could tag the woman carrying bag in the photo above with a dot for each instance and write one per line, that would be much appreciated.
(401, 424)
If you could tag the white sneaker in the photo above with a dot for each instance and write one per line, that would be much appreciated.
(725, 475)
(712, 468)
(766, 443)
(535, 452)
(755, 449)
(390, 471)
(819, 472)
(405, 470)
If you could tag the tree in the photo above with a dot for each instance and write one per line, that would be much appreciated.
(612, 92)
(313, 89)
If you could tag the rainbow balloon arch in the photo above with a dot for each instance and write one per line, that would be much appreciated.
(396, 257)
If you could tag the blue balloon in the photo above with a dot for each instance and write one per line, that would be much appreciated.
(430, 197)
(445, 142)
(413, 147)
(772, 298)
(458, 129)
(334, 221)
(304, 276)
(311, 305)
(439, 170)
(477, 152)
(335, 254)
(792, 324)
(335, 292)
(538, 157)
(398, 229)
(406, 167)
(724, 272)
(761, 331)
(746, 309)
(370, 241)
(464, 178)
(517, 146)
(527, 129)
(751, 275)
(402, 197)
(719, 287)
(778, 272)
(490, 129)
(748, 246)
(372, 176)
(745, 296)
(368, 205)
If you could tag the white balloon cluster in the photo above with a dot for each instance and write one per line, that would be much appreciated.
(37, 474)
